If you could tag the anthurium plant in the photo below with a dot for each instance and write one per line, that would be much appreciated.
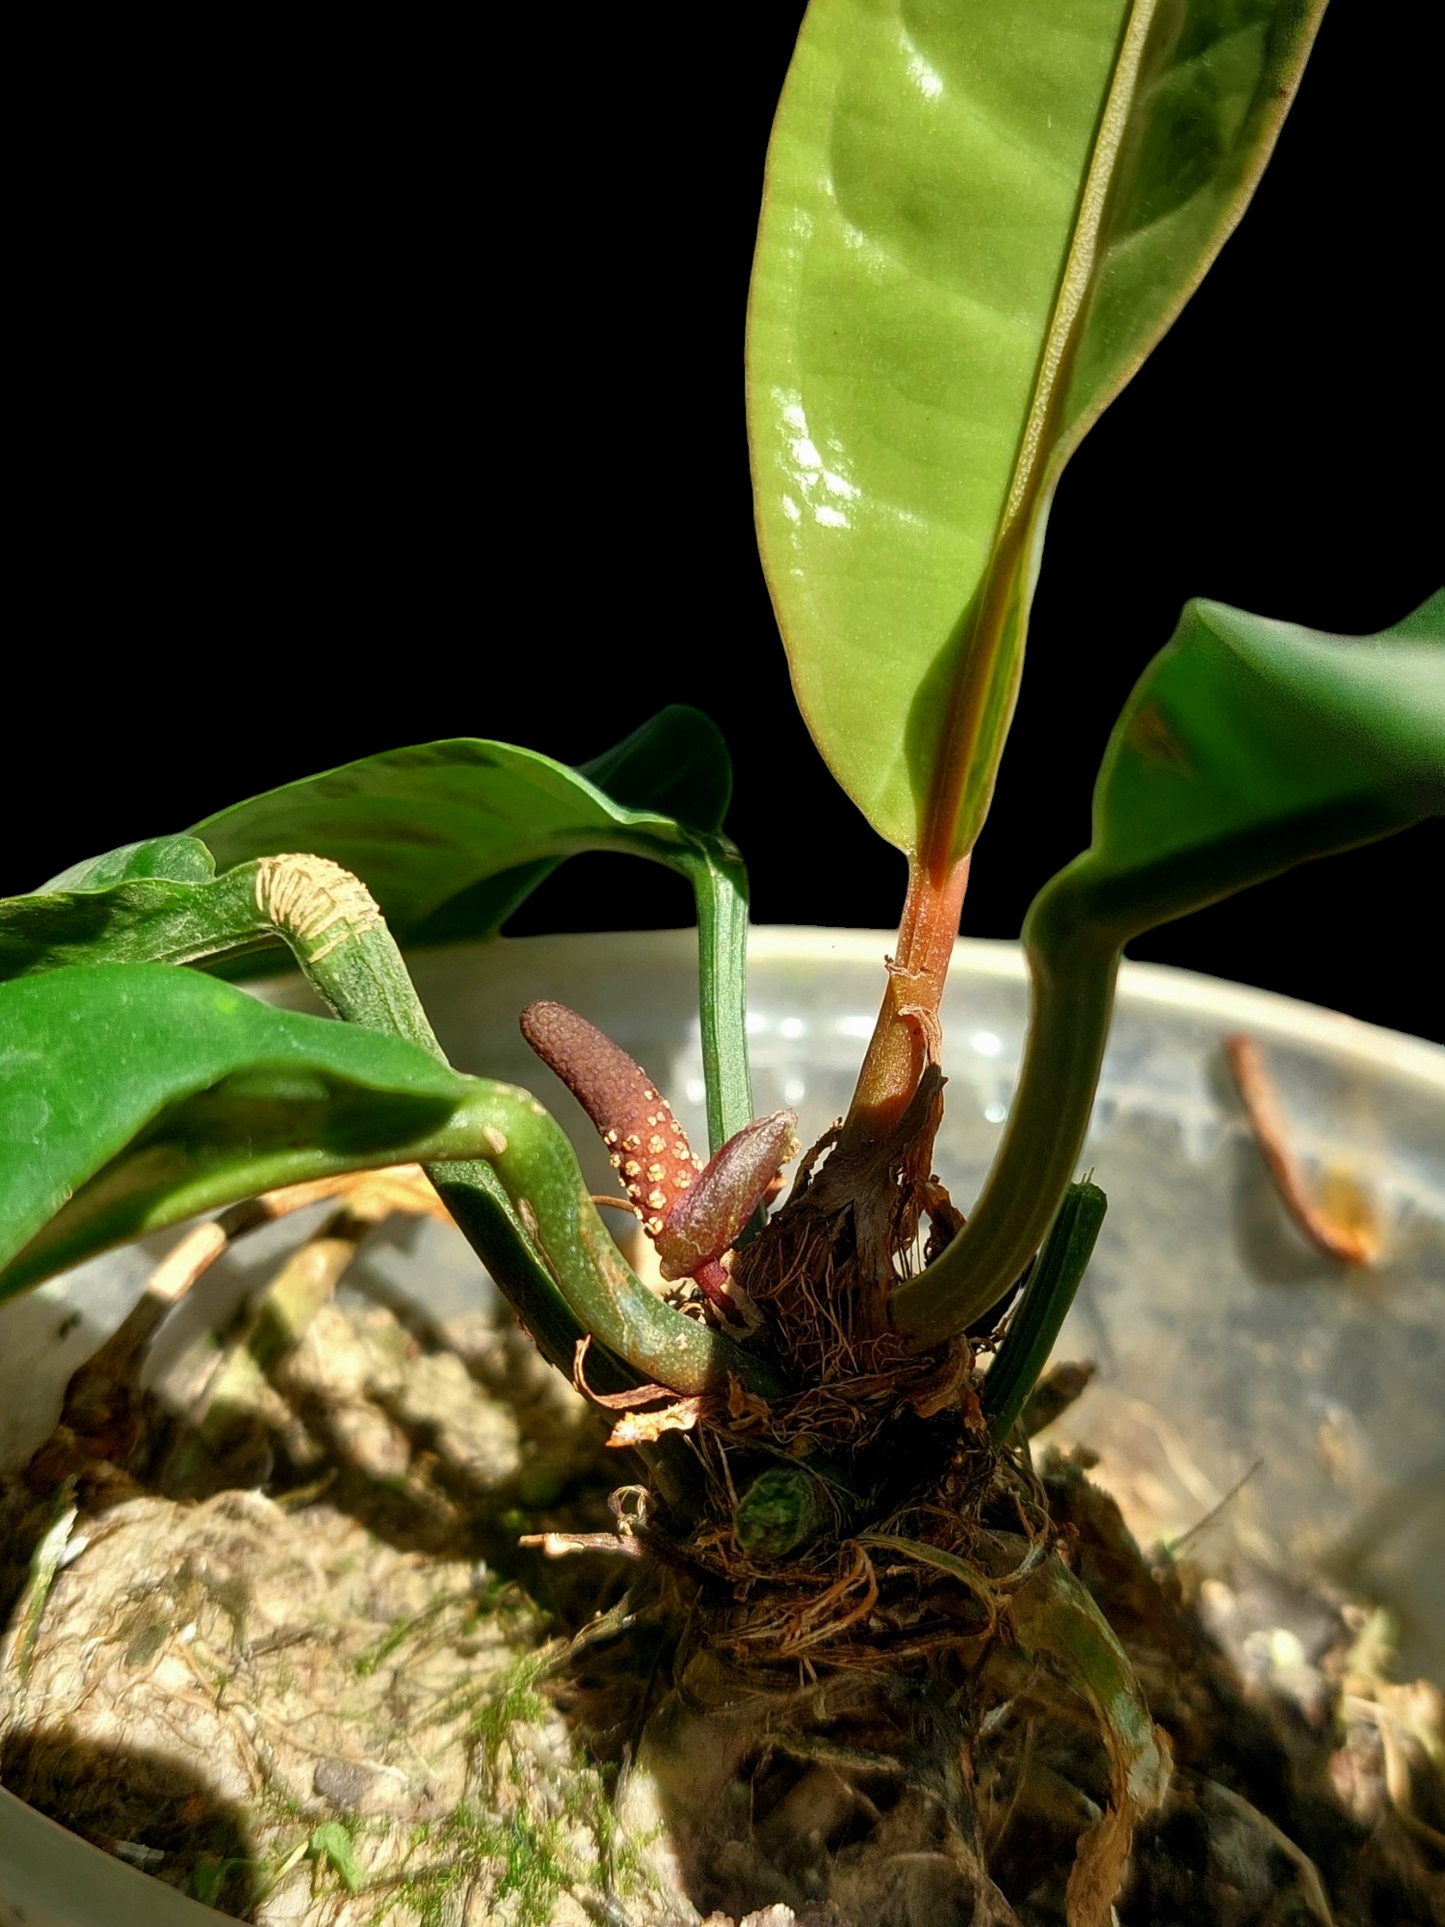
(977, 223)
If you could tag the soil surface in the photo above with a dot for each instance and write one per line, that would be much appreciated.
(274, 1637)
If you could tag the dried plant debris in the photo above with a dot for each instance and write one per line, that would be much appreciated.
(297, 1647)
(1336, 1215)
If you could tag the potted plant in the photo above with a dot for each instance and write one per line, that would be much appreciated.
(945, 297)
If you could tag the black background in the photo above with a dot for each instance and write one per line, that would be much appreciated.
(389, 388)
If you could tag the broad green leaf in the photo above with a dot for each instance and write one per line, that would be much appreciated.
(133, 1096)
(1246, 746)
(449, 837)
(223, 1143)
(140, 919)
(676, 765)
(182, 859)
(424, 826)
(449, 832)
(217, 1096)
(978, 219)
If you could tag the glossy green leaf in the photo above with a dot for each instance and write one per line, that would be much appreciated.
(215, 1096)
(181, 859)
(140, 919)
(449, 837)
(675, 765)
(423, 826)
(446, 835)
(978, 219)
(206, 1151)
(133, 1096)
(1246, 746)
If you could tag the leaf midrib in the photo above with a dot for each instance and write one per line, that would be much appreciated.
(1033, 468)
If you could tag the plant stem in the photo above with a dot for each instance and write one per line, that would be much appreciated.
(1073, 964)
(907, 1035)
(719, 880)
(538, 1170)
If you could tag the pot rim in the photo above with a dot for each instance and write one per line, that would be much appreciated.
(1268, 1014)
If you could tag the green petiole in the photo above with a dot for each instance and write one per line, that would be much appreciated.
(1044, 1306)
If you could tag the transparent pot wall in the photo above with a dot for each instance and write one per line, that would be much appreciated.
(1276, 1406)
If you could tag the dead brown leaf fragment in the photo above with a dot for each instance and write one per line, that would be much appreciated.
(1338, 1220)
(1053, 1614)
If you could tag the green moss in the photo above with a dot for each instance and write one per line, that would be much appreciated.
(397, 1634)
(531, 1870)
(511, 1700)
(529, 1858)
(525, 1860)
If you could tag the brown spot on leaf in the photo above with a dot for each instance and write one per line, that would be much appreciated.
(1152, 736)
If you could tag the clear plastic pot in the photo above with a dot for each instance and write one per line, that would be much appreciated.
(1270, 1403)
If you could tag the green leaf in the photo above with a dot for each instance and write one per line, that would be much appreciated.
(1040, 1313)
(977, 222)
(676, 765)
(449, 837)
(1246, 746)
(423, 827)
(445, 835)
(205, 1152)
(132, 919)
(132, 1096)
(332, 1843)
(181, 859)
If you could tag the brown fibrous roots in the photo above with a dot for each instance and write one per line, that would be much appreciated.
(920, 1495)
